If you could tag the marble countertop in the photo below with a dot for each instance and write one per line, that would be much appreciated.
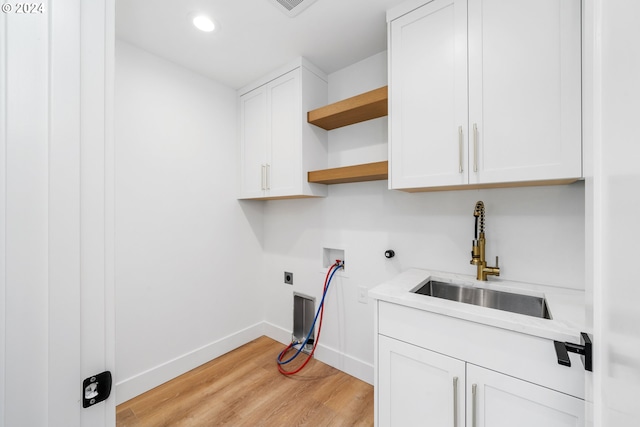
(567, 306)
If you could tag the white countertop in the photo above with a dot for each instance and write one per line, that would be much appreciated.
(567, 307)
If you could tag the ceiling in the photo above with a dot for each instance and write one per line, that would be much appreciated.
(254, 37)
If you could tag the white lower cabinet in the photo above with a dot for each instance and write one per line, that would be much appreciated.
(420, 387)
(498, 400)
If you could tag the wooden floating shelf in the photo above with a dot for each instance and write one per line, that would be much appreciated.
(358, 173)
(366, 106)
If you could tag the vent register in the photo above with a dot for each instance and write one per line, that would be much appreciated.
(292, 8)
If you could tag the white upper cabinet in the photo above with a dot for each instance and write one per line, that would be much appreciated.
(428, 96)
(277, 145)
(253, 142)
(525, 90)
(484, 92)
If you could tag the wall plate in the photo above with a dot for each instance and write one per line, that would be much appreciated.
(363, 295)
(329, 257)
(288, 278)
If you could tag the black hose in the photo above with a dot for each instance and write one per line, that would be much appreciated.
(476, 229)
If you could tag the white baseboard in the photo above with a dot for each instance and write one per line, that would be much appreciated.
(145, 381)
(277, 333)
(349, 364)
(332, 357)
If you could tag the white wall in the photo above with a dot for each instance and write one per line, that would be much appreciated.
(538, 233)
(187, 252)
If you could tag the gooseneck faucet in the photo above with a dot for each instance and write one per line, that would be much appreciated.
(479, 242)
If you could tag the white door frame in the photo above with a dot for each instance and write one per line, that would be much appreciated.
(612, 204)
(56, 211)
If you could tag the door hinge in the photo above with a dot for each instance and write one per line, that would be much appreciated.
(95, 389)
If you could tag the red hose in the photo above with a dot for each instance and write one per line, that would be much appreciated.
(310, 355)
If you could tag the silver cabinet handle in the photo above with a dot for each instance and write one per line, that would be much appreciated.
(455, 401)
(475, 147)
(268, 174)
(474, 392)
(460, 142)
(262, 175)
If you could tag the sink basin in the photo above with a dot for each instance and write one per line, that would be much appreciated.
(500, 300)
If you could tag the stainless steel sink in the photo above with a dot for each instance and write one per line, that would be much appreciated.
(506, 301)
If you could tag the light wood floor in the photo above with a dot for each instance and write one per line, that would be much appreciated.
(244, 388)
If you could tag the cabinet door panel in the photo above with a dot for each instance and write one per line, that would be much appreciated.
(416, 386)
(284, 148)
(428, 98)
(524, 89)
(504, 401)
(253, 129)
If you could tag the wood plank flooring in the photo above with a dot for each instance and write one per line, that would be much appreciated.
(244, 388)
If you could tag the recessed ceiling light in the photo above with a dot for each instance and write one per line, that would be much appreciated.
(204, 23)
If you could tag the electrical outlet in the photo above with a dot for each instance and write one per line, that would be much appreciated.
(288, 278)
(363, 295)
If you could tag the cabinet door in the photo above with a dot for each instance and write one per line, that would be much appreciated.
(504, 401)
(428, 96)
(418, 386)
(524, 90)
(284, 163)
(253, 142)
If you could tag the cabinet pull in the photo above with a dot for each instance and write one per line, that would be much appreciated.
(262, 175)
(475, 147)
(267, 175)
(474, 391)
(455, 401)
(460, 142)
